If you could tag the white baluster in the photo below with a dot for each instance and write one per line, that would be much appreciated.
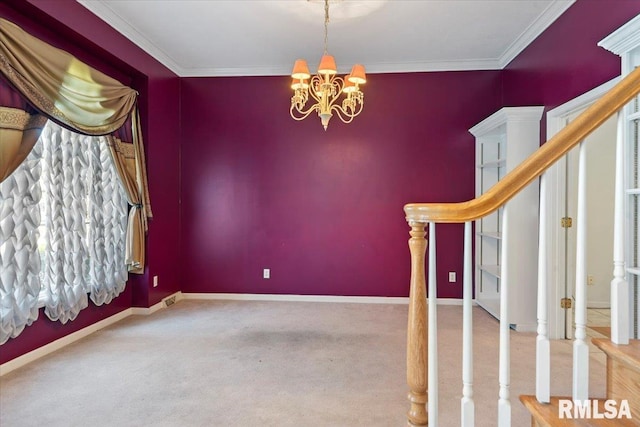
(543, 350)
(580, 346)
(504, 404)
(467, 406)
(619, 285)
(433, 330)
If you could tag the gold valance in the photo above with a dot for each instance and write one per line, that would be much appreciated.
(81, 98)
(61, 86)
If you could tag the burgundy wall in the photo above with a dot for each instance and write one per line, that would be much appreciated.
(68, 25)
(565, 61)
(323, 210)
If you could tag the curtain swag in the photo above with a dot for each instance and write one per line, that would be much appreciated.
(83, 99)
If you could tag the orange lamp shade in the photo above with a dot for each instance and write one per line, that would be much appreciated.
(349, 86)
(327, 65)
(299, 84)
(358, 75)
(300, 70)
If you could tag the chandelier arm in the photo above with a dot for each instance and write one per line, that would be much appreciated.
(338, 83)
(302, 114)
(312, 92)
(342, 115)
(314, 82)
(359, 110)
(345, 116)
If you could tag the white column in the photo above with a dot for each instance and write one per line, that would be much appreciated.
(543, 351)
(504, 404)
(467, 406)
(433, 330)
(619, 285)
(580, 346)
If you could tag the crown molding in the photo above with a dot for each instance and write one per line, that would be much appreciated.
(624, 39)
(375, 68)
(111, 18)
(424, 66)
(548, 17)
(117, 22)
(104, 12)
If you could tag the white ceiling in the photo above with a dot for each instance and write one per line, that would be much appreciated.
(264, 37)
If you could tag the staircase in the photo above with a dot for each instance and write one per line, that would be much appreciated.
(623, 384)
(621, 404)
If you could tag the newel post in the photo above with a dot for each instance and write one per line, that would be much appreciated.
(417, 328)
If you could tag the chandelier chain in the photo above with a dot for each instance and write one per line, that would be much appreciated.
(326, 25)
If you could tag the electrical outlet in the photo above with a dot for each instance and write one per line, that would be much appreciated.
(266, 273)
(155, 281)
(590, 280)
(452, 277)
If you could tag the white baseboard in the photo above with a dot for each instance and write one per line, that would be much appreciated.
(526, 327)
(141, 311)
(20, 361)
(296, 298)
(598, 304)
(451, 301)
(311, 298)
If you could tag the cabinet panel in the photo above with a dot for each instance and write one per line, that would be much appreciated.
(503, 141)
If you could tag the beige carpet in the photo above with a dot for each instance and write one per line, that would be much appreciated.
(227, 363)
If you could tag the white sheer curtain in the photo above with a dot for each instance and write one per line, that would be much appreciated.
(19, 259)
(63, 220)
(64, 215)
(107, 232)
(85, 221)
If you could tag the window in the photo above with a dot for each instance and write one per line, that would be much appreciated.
(63, 220)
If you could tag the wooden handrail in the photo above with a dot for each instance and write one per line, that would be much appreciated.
(534, 165)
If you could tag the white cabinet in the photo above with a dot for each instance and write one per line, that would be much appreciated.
(503, 141)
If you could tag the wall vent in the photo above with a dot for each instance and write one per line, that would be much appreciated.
(170, 301)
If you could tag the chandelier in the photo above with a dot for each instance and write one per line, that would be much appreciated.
(326, 88)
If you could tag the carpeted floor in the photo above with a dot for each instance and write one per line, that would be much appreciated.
(232, 363)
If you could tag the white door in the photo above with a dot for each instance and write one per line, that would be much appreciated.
(562, 202)
(568, 232)
(600, 146)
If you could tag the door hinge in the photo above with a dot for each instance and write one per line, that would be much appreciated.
(566, 222)
(565, 303)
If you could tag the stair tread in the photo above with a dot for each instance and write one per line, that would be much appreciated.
(548, 414)
(628, 354)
